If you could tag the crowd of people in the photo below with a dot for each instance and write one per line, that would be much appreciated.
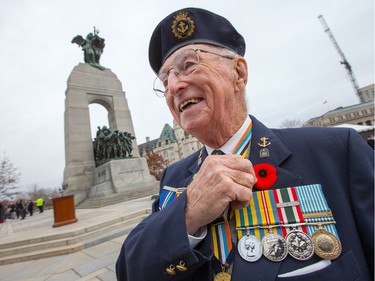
(20, 209)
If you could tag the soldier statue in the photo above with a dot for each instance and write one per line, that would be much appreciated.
(92, 48)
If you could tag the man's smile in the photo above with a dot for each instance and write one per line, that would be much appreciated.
(188, 103)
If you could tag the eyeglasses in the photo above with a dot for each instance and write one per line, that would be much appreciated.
(184, 65)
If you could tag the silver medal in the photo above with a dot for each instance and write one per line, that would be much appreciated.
(274, 247)
(300, 245)
(250, 248)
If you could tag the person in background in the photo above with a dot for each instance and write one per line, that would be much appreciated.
(30, 207)
(22, 209)
(40, 204)
(18, 209)
(254, 203)
(2, 213)
(12, 210)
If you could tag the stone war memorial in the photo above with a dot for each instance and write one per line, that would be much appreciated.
(110, 164)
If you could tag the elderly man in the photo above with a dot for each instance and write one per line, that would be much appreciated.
(254, 203)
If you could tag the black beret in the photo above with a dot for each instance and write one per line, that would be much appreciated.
(192, 26)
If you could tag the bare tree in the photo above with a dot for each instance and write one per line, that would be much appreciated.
(291, 123)
(35, 191)
(9, 176)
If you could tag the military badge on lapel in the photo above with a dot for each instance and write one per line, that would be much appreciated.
(264, 152)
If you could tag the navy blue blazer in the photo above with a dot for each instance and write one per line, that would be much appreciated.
(338, 159)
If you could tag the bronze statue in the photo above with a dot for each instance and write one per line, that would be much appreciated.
(110, 144)
(92, 48)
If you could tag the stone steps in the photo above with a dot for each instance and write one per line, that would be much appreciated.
(69, 241)
(98, 202)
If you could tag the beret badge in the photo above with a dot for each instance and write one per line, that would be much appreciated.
(183, 26)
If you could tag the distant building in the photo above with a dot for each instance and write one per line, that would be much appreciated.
(361, 114)
(173, 144)
(357, 114)
(367, 93)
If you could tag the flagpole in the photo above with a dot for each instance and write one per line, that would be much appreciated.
(326, 102)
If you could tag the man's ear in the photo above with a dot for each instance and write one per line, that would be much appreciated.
(242, 73)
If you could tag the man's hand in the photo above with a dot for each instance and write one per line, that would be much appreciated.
(222, 180)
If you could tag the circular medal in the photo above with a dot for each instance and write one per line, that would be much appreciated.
(326, 245)
(250, 248)
(274, 246)
(222, 276)
(300, 245)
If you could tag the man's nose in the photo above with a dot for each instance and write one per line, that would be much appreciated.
(175, 83)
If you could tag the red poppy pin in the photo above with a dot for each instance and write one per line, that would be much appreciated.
(266, 175)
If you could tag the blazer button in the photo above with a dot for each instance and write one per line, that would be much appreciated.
(181, 266)
(171, 270)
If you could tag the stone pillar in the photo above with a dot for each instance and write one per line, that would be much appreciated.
(87, 85)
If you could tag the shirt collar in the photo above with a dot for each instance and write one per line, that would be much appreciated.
(230, 145)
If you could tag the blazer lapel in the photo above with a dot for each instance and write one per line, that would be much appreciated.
(194, 168)
(278, 154)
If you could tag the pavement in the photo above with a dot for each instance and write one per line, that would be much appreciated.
(94, 263)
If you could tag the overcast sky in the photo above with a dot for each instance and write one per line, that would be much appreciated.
(293, 65)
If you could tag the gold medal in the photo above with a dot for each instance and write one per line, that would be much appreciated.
(326, 245)
(222, 276)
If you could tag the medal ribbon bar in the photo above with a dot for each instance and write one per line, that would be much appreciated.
(291, 213)
(315, 208)
(301, 207)
(168, 194)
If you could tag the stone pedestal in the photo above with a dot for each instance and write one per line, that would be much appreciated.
(129, 176)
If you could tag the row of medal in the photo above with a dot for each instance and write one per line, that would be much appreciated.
(296, 243)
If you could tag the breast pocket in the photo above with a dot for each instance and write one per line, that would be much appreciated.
(344, 268)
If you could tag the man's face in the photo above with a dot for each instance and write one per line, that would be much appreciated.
(204, 99)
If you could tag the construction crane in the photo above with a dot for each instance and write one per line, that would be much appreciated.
(343, 61)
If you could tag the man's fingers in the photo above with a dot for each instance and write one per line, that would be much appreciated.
(239, 204)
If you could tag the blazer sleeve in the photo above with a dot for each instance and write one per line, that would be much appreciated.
(159, 242)
(361, 186)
